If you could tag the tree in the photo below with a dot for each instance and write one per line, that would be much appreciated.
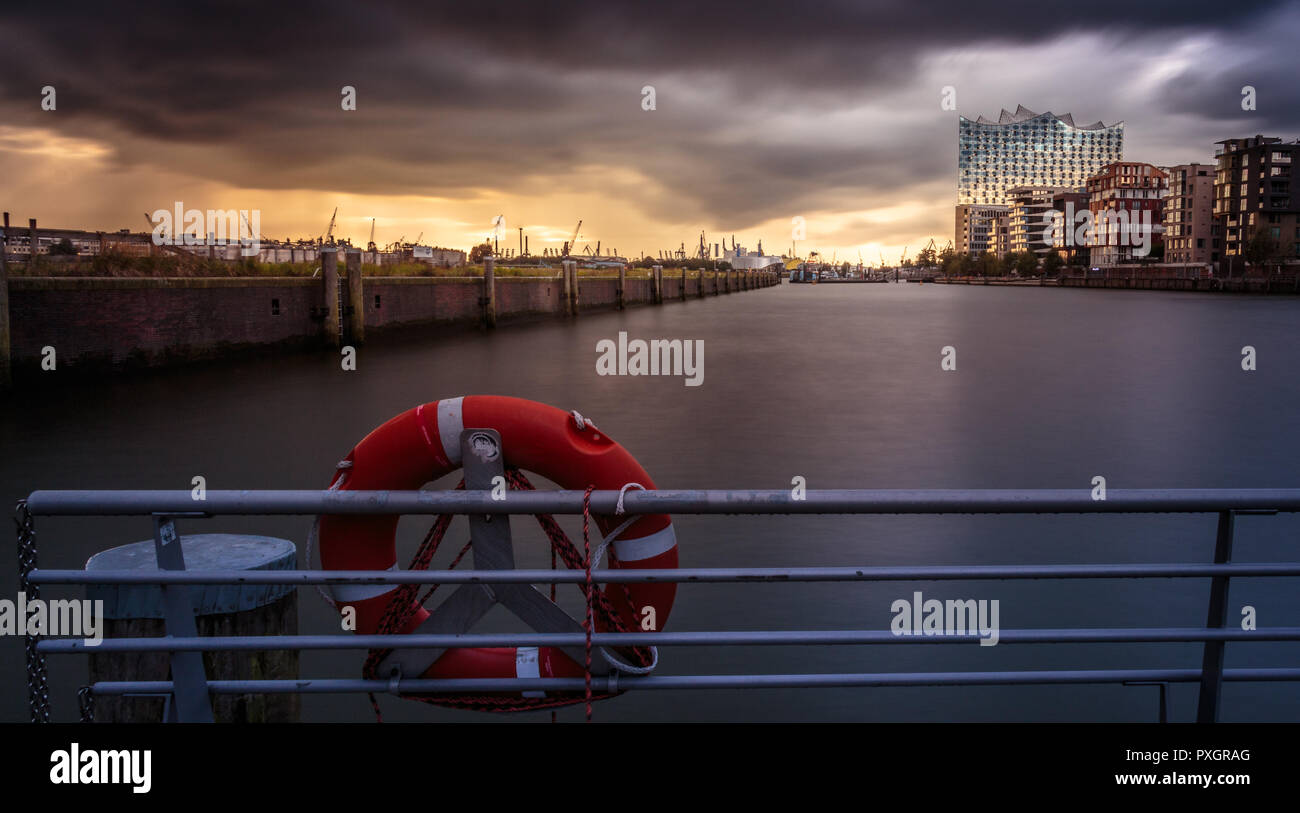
(479, 253)
(1261, 247)
(947, 261)
(844, 269)
(1027, 264)
(987, 264)
(1052, 263)
(64, 247)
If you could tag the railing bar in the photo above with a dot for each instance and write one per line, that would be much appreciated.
(708, 575)
(337, 686)
(782, 501)
(703, 638)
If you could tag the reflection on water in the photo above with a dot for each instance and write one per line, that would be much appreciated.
(838, 384)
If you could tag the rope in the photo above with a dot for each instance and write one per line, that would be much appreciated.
(618, 509)
(582, 422)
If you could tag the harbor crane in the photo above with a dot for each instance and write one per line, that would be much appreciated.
(571, 243)
(329, 232)
(172, 247)
(261, 237)
(371, 245)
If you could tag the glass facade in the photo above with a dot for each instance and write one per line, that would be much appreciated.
(1030, 149)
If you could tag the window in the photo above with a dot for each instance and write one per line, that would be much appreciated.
(376, 301)
(275, 307)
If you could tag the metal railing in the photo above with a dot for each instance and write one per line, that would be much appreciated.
(190, 690)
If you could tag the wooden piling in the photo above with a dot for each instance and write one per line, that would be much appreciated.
(329, 263)
(683, 283)
(137, 611)
(574, 297)
(6, 372)
(622, 287)
(34, 244)
(356, 299)
(490, 292)
(657, 285)
(701, 291)
(564, 287)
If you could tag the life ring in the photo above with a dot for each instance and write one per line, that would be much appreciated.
(423, 444)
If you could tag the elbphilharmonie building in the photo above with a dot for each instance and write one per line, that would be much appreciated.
(1028, 149)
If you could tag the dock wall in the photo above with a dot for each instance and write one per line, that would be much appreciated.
(116, 322)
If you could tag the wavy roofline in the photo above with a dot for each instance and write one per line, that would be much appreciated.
(1024, 114)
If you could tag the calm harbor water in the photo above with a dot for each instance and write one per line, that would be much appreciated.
(838, 384)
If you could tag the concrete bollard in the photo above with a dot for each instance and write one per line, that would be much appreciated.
(622, 287)
(490, 293)
(329, 263)
(136, 611)
(356, 299)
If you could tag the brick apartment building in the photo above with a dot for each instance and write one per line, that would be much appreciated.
(1254, 192)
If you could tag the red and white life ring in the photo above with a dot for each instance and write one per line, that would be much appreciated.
(423, 444)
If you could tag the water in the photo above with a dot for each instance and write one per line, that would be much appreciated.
(838, 384)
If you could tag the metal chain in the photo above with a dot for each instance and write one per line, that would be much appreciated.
(38, 691)
(86, 702)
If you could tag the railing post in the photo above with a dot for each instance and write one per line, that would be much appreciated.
(190, 702)
(1207, 706)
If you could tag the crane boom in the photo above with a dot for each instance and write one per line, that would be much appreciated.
(572, 243)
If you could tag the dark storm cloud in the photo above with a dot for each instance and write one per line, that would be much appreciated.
(456, 97)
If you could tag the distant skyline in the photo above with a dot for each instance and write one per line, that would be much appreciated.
(826, 111)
